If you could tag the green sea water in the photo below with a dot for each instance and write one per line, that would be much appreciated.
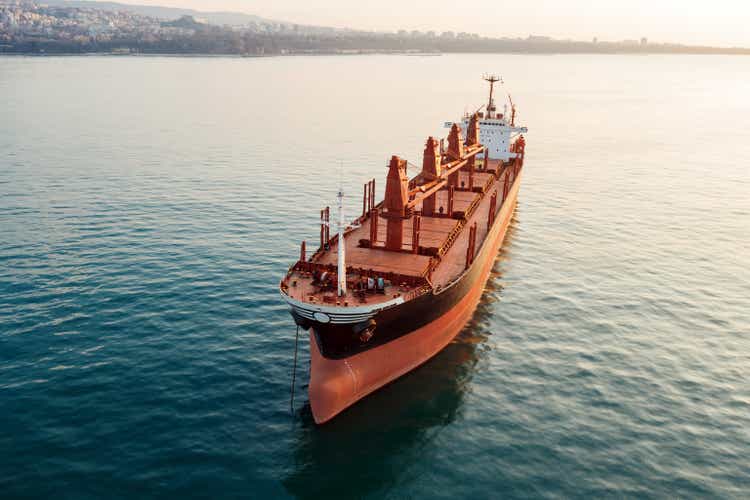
(149, 207)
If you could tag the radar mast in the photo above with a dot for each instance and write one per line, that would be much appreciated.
(491, 103)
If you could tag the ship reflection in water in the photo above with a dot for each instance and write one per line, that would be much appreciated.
(372, 444)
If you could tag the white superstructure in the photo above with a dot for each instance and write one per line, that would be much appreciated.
(495, 131)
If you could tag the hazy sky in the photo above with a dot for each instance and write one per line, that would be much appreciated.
(717, 22)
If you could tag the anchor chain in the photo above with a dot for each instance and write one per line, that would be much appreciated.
(294, 371)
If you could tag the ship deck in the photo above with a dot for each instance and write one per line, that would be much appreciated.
(435, 233)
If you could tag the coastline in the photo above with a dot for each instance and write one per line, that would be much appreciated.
(370, 52)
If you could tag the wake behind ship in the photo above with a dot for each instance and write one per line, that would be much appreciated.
(396, 285)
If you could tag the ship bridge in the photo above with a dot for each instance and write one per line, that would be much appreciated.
(496, 132)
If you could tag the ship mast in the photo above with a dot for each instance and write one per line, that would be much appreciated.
(341, 246)
(491, 103)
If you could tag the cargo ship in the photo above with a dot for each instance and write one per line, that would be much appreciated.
(393, 287)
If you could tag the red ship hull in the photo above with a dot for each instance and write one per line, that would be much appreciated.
(336, 384)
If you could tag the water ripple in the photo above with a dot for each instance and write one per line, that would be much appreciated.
(145, 351)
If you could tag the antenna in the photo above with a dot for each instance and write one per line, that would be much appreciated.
(491, 103)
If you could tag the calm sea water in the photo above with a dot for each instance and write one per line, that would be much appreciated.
(149, 206)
